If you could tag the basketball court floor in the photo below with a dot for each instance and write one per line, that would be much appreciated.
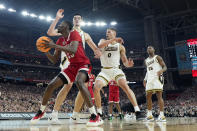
(172, 124)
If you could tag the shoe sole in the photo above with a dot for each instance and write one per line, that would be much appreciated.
(34, 121)
(160, 120)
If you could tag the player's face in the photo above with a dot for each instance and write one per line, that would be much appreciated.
(77, 20)
(150, 50)
(110, 34)
(62, 27)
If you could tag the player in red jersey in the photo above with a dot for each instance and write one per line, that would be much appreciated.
(114, 98)
(90, 86)
(78, 70)
(86, 38)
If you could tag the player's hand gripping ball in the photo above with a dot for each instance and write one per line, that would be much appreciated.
(40, 44)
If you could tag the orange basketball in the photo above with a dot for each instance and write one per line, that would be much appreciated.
(40, 46)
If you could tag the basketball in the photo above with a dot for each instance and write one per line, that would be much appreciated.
(40, 46)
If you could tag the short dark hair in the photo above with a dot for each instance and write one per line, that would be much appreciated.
(112, 29)
(78, 14)
(70, 25)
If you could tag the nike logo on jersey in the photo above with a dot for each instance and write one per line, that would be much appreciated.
(111, 48)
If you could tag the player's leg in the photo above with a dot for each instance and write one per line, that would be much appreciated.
(81, 78)
(119, 110)
(54, 84)
(79, 101)
(62, 96)
(161, 106)
(149, 116)
(121, 81)
(80, 83)
(97, 88)
(110, 110)
(58, 102)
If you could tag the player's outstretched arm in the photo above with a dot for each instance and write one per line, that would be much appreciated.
(53, 58)
(52, 31)
(92, 45)
(163, 65)
(127, 62)
(103, 43)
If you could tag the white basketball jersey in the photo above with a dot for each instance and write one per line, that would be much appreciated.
(153, 67)
(110, 56)
(64, 60)
(82, 34)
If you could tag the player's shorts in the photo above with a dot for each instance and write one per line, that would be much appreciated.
(106, 75)
(155, 85)
(71, 72)
(114, 97)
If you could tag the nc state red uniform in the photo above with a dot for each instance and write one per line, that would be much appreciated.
(113, 92)
(78, 61)
(90, 85)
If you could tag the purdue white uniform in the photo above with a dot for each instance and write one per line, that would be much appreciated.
(153, 81)
(64, 60)
(110, 62)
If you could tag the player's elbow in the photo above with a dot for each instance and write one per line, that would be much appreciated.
(50, 33)
(100, 46)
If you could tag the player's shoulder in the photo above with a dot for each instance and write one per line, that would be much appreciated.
(102, 40)
(158, 57)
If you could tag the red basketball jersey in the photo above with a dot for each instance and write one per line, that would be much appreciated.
(79, 56)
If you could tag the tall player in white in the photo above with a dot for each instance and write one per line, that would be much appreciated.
(64, 91)
(154, 81)
(112, 51)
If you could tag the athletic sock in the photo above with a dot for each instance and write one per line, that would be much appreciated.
(42, 108)
(149, 113)
(92, 110)
(161, 113)
(99, 110)
(136, 108)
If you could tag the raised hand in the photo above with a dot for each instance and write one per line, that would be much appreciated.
(97, 53)
(59, 14)
(119, 40)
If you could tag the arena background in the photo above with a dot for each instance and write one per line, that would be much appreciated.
(25, 72)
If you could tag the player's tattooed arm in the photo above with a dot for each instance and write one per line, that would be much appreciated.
(126, 62)
(92, 45)
(70, 48)
(53, 58)
(163, 65)
(103, 43)
(52, 31)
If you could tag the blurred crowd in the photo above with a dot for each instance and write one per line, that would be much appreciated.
(184, 105)
(27, 98)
